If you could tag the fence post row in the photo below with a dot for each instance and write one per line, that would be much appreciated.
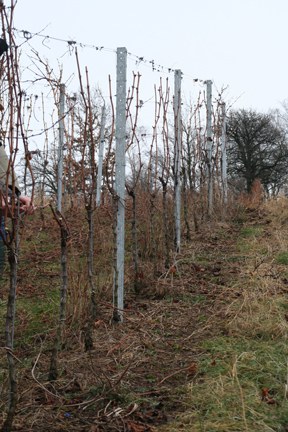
(177, 157)
(60, 146)
(120, 174)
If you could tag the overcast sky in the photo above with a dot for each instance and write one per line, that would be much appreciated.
(237, 43)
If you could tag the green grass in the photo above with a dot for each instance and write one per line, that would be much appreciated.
(250, 231)
(248, 239)
(226, 394)
(33, 316)
(282, 258)
(194, 299)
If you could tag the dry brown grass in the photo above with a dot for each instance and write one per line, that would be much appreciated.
(249, 356)
(198, 345)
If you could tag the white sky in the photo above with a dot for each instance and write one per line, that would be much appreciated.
(239, 43)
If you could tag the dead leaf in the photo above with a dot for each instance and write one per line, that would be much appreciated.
(172, 269)
(192, 369)
(266, 397)
(137, 427)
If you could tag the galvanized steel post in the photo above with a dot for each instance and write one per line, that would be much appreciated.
(177, 157)
(224, 155)
(60, 146)
(209, 143)
(120, 174)
(100, 157)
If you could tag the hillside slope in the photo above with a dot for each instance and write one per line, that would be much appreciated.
(203, 349)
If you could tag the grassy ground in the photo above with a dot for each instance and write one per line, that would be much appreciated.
(203, 348)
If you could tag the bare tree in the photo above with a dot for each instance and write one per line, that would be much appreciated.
(257, 149)
(15, 134)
